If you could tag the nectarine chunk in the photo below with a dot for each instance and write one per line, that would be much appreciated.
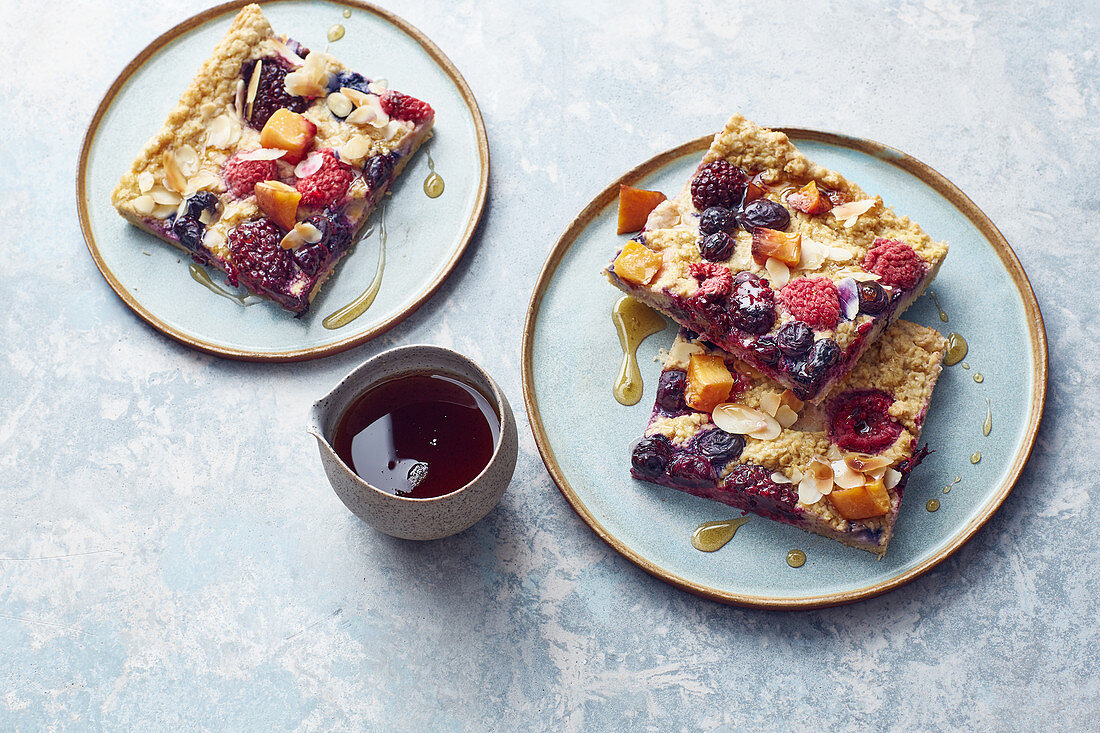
(709, 382)
(809, 200)
(635, 204)
(861, 502)
(279, 201)
(637, 263)
(288, 131)
(787, 248)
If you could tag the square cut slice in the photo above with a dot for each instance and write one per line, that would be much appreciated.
(320, 143)
(836, 468)
(761, 238)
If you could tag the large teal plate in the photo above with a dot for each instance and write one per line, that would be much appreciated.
(426, 237)
(571, 357)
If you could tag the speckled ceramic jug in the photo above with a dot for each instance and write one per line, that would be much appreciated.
(399, 516)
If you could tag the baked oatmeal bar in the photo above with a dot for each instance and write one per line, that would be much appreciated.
(783, 263)
(272, 160)
(723, 431)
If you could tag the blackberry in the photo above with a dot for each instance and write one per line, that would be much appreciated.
(718, 183)
(717, 219)
(692, 470)
(795, 339)
(271, 93)
(717, 247)
(752, 305)
(310, 257)
(257, 257)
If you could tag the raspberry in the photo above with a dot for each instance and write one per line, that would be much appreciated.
(812, 299)
(327, 185)
(714, 280)
(257, 258)
(241, 176)
(271, 93)
(860, 421)
(403, 107)
(719, 183)
(895, 262)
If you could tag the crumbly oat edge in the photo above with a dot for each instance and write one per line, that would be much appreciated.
(215, 82)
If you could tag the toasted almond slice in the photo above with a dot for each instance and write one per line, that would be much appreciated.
(238, 98)
(812, 255)
(778, 272)
(891, 478)
(379, 86)
(144, 204)
(253, 87)
(796, 475)
(361, 115)
(213, 240)
(292, 239)
(820, 469)
(865, 463)
(862, 276)
(145, 181)
(845, 477)
(770, 430)
(262, 154)
(838, 254)
(173, 176)
(204, 180)
(853, 209)
(769, 402)
(163, 211)
(187, 159)
(834, 453)
(284, 51)
(739, 419)
(339, 104)
(355, 149)
(218, 132)
(392, 128)
(785, 416)
(163, 196)
(309, 165)
(810, 489)
(876, 474)
(308, 232)
(354, 96)
(208, 218)
(780, 478)
(791, 400)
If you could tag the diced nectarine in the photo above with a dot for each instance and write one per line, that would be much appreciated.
(634, 207)
(288, 131)
(869, 500)
(787, 248)
(709, 382)
(637, 263)
(279, 201)
(753, 191)
(809, 200)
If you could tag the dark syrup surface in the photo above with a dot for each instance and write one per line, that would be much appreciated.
(418, 435)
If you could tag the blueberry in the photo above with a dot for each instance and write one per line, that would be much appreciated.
(806, 374)
(717, 247)
(190, 232)
(692, 470)
(824, 353)
(310, 256)
(872, 297)
(717, 219)
(651, 455)
(752, 305)
(767, 350)
(201, 201)
(715, 309)
(719, 446)
(670, 390)
(764, 212)
(351, 80)
(378, 169)
(795, 339)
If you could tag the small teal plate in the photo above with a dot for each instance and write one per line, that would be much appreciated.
(426, 237)
(572, 355)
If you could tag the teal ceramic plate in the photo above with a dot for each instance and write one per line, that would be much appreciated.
(426, 237)
(572, 356)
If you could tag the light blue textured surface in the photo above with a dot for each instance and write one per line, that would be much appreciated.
(174, 558)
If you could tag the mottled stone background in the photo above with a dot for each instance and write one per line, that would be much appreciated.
(171, 555)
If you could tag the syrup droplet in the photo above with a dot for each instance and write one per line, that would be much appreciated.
(335, 33)
(956, 349)
(347, 12)
(433, 184)
(947, 489)
(202, 277)
(966, 365)
(975, 456)
(633, 322)
(359, 306)
(713, 536)
(796, 558)
(987, 426)
(943, 316)
(932, 505)
(978, 377)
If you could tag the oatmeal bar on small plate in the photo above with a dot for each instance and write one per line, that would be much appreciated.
(272, 160)
(723, 431)
(783, 263)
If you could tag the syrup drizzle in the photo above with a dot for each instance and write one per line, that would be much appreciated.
(943, 316)
(956, 350)
(433, 184)
(359, 306)
(947, 489)
(202, 277)
(987, 426)
(633, 322)
(713, 536)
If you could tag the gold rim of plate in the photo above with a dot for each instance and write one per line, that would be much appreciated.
(907, 163)
(297, 354)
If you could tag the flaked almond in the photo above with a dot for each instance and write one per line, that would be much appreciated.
(770, 430)
(145, 181)
(861, 276)
(394, 130)
(309, 165)
(796, 475)
(769, 402)
(173, 176)
(816, 482)
(262, 154)
(838, 254)
(213, 240)
(284, 51)
(308, 232)
(354, 96)
(739, 419)
(379, 86)
(253, 87)
(204, 180)
(785, 416)
(310, 80)
(355, 149)
(812, 255)
(238, 98)
(208, 218)
(850, 212)
(864, 463)
(361, 115)
(778, 272)
(222, 132)
(162, 196)
(292, 240)
(891, 478)
(779, 478)
(144, 204)
(187, 159)
(163, 211)
(845, 477)
(790, 399)
(339, 104)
